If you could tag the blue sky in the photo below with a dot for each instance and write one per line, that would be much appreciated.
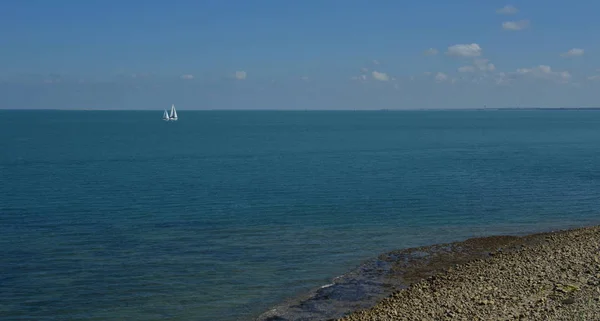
(328, 54)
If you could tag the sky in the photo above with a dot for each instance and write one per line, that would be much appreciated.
(309, 54)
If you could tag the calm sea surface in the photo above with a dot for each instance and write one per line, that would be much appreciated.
(221, 215)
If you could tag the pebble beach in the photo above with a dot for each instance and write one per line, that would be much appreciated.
(548, 276)
(543, 276)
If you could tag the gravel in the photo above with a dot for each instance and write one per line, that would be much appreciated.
(547, 276)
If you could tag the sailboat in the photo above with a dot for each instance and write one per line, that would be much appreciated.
(173, 115)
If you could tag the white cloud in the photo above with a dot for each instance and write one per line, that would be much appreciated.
(380, 76)
(440, 76)
(188, 76)
(305, 78)
(595, 77)
(427, 73)
(575, 52)
(376, 62)
(484, 65)
(364, 70)
(545, 72)
(430, 52)
(466, 69)
(241, 75)
(502, 79)
(479, 64)
(507, 10)
(515, 25)
(465, 50)
(544, 69)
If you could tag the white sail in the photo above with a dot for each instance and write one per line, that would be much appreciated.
(173, 115)
(166, 115)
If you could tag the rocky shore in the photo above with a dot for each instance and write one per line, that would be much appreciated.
(547, 276)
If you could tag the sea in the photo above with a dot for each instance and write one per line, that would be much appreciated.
(118, 215)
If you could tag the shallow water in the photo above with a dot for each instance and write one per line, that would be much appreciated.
(221, 215)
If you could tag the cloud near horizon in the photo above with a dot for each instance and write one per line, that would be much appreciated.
(545, 72)
(240, 75)
(575, 52)
(465, 50)
(515, 25)
(380, 76)
(440, 77)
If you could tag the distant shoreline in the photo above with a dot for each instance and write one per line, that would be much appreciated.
(386, 283)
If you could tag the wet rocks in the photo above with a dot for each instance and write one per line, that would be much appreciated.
(551, 276)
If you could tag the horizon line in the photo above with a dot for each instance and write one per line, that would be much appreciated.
(311, 110)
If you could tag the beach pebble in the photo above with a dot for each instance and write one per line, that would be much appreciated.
(539, 277)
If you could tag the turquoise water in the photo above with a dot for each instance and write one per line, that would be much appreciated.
(221, 215)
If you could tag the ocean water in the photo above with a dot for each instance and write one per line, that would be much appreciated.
(221, 215)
